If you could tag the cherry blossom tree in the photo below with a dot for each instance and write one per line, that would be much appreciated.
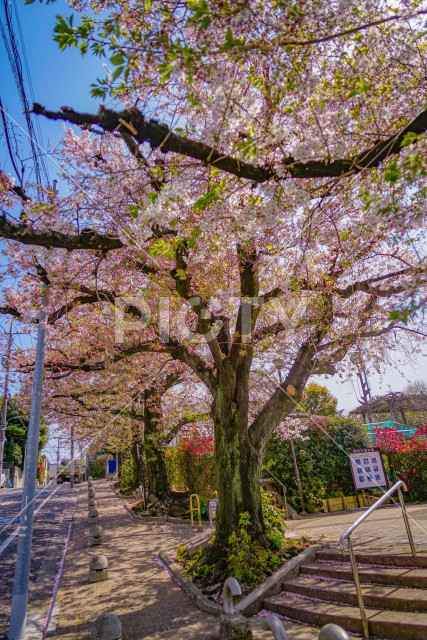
(124, 408)
(276, 210)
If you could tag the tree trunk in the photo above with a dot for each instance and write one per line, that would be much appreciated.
(238, 462)
(158, 483)
(138, 479)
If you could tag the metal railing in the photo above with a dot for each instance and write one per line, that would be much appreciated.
(281, 484)
(347, 536)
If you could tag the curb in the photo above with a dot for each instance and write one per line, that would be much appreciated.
(189, 587)
(252, 603)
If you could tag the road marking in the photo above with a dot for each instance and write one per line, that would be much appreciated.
(13, 535)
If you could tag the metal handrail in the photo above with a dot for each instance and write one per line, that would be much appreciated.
(278, 481)
(347, 536)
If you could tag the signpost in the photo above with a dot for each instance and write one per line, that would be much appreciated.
(367, 467)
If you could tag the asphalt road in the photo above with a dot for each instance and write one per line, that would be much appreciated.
(54, 511)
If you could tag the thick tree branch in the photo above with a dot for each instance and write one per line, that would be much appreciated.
(183, 287)
(26, 234)
(250, 304)
(288, 393)
(161, 137)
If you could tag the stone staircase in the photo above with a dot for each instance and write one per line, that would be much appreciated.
(394, 588)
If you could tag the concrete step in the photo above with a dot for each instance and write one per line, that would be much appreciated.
(382, 624)
(374, 596)
(378, 559)
(397, 576)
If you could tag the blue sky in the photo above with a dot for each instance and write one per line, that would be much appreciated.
(58, 77)
(64, 78)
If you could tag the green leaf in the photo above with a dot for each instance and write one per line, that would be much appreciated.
(400, 314)
(409, 138)
(229, 40)
(117, 72)
(153, 196)
(392, 173)
(97, 92)
(117, 59)
(133, 211)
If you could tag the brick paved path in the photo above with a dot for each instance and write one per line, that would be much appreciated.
(149, 603)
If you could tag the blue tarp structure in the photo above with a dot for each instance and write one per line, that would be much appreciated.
(408, 432)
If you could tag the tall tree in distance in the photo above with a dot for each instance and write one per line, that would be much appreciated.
(318, 400)
(417, 388)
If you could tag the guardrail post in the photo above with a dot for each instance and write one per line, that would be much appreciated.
(232, 625)
(333, 632)
(275, 625)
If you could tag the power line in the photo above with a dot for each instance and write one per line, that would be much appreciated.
(30, 84)
(13, 51)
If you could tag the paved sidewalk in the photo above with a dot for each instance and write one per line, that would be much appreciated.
(149, 603)
(383, 531)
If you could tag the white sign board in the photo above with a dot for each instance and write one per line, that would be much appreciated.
(213, 504)
(368, 469)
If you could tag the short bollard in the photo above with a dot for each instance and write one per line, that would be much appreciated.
(232, 625)
(93, 516)
(95, 535)
(90, 484)
(333, 632)
(92, 503)
(107, 626)
(276, 626)
(98, 569)
(91, 493)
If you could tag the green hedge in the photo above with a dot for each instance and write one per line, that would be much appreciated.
(322, 461)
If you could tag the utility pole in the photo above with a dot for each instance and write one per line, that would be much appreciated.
(57, 460)
(72, 458)
(3, 420)
(18, 615)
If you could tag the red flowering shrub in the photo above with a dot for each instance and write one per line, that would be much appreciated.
(389, 440)
(192, 463)
(407, 457)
